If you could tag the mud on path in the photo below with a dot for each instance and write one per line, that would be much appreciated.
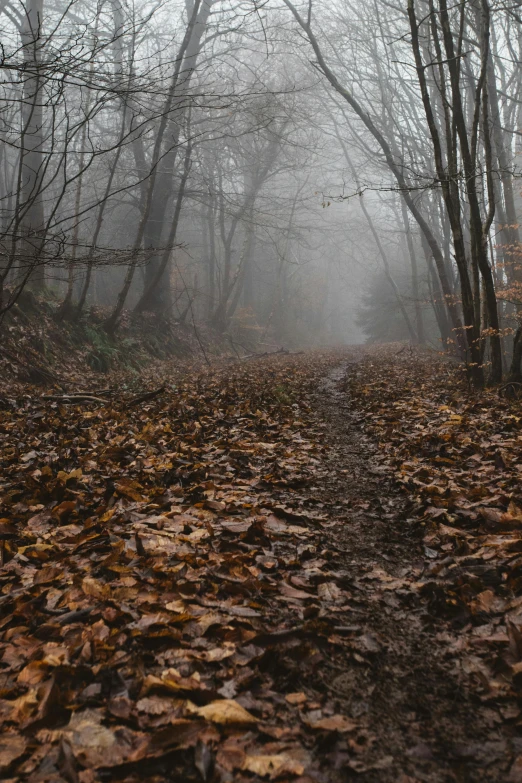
(404, 680)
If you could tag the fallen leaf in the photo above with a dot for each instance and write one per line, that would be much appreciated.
(273, 766)
(296, 698)
(333, 723)
(12, 746)
(226, 711)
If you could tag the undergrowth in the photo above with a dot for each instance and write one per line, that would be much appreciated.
(37, 345)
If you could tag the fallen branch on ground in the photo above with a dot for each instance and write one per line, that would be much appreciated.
(146, 397)
(70, 399)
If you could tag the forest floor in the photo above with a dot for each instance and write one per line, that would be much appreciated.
(299, 568)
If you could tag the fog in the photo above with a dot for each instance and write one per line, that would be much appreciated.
(303, 173)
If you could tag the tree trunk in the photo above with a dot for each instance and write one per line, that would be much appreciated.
(32, 219)
(146, 301)
(515, 373)
(112, 321)
(419, 323)
(155, 284)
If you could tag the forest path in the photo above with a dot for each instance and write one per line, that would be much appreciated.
(221, 584)
(404, 679)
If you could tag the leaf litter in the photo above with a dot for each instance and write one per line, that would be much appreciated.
(457, 456)
(222, 584)
(158, 561)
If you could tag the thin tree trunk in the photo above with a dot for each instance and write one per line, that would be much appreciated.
(419, 323)
(158, 295)
(148, 294)
(450, 191)
(31, 152)
(112, 322)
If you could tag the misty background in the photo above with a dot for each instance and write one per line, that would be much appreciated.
(304, 174)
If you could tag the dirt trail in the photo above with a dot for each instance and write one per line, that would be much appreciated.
(408, 686)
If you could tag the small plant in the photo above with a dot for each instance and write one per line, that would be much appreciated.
(283, 394)
(103, 353)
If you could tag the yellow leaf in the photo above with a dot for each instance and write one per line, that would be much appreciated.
(33, 673)
(276, 765)
(64, 477)
(226, 711)
(454, 419)
(108, 515)
(34, 548)
(515, 511)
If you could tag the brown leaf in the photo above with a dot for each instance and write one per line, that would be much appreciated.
(130, 489)
(180, 734)
(236, 526)
(64, 510)
(204, 760)
(230, 755)
(292, 592)
(296, 698)
(46, 575)
(333, 723)
(67, 763)
(328, 591)
(12, 746)
(95, 745)
(25, 706)
(515, 773)
(33, 673)
(95, 588)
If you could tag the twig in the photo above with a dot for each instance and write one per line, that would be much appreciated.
(241, 345)
(146, 397)
(98, 392)
(71, 399)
